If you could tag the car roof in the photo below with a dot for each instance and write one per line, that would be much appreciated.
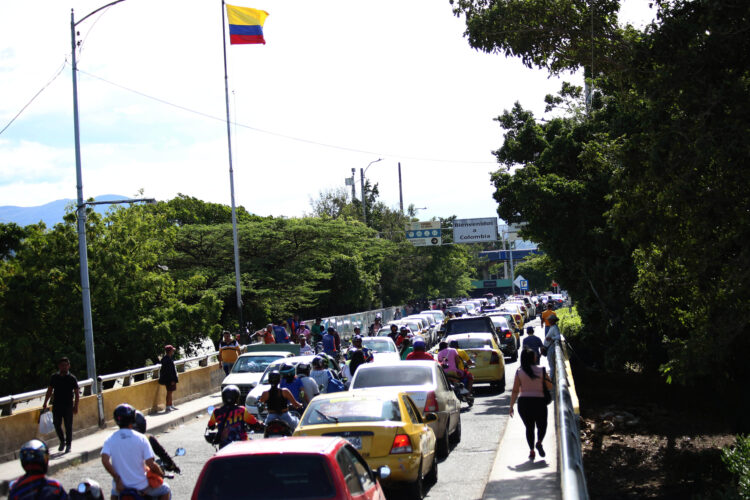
(364, 393)
(294, 359)
(458, 336)
(386, 364)
(308, 445)
(283, 354)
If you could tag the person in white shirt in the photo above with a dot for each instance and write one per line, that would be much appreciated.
(127, 455)
(304, 347)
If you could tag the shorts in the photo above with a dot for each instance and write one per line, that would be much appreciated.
(154, 492)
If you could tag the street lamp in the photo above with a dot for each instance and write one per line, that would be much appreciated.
(88, 330)
(362, 173)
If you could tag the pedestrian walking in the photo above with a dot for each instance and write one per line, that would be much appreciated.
(168, 375)
(229, 351)
(534, 343)
(63, 388)
(552, 335)
(529, 392)
(546, 315)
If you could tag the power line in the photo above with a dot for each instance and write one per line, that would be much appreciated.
(277, 134)
(62, 67)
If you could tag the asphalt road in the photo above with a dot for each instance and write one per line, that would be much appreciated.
(462, 475)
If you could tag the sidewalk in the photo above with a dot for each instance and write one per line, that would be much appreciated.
(89, 447)
(513, 475)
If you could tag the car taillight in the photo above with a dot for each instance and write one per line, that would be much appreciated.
(401, 444)
(494, 358)
(431, 404)
(508, 334)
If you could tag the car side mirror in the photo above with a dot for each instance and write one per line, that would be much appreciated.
(382, 472)
(253, 384)
(430, 417)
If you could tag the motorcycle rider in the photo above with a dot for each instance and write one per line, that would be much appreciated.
(357, 346)
(140, 426)
(309, 385)
(419, 352)
(278, 400)
(34, 484)
(290, 381)
(127, 455)
(375, 327)
(232, 418)
(463, 362)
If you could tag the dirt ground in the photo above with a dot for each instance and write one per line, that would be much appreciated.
(644, 439)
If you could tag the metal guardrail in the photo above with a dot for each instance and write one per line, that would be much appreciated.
(572, 478)
(8, 402)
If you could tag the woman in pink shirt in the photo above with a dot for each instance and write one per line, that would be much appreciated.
(527, 389)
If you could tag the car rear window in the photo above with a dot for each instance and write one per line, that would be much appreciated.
(389, 376)
(475, 343)
(287, 476)
(472, 325)
(378, 345)
(253, 364)
(340, 410)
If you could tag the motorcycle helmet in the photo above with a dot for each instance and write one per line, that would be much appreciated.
(230, 394)
(453, 344)
(287, 370)
(124, 415)
(274, 378)
(140, 422)
(419, 345)
(303, 369)
(319, 363)
(34, 456)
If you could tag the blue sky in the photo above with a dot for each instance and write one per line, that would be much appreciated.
(389, 79)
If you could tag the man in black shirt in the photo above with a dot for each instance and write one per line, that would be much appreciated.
(63, 387)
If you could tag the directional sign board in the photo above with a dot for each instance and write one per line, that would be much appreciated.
(424, 234)
(524, 285)
(475, 230)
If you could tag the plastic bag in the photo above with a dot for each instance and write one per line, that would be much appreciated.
(46, 425)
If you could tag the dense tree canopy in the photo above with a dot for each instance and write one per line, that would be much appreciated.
(640, 203)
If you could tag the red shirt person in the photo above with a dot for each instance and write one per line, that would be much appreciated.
(419, 352)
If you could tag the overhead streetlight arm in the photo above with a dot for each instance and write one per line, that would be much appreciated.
(97, 10)
(150, 201)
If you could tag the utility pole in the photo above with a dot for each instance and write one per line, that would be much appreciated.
(354, 190)
(362, 183)
(400, 190)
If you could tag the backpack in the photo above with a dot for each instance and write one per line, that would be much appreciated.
(334, 384)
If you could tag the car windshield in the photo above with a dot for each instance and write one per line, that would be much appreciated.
(378, 345)
(499, 321)
(270, 368)
(284, 476)
(457, 309)
(253, 364)
(346, 409)
(389, 376)
(473, 343)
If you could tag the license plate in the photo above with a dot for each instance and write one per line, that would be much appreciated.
(355, 441)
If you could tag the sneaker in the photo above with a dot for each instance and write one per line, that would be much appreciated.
(540, 449)
(173, 408)
(67, 449)
(61, 447)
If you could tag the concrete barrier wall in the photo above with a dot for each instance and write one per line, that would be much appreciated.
(147, 396)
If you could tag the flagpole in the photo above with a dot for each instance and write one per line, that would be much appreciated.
(231, 172)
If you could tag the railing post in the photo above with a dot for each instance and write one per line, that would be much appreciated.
(6, 406)
(204, 361)
(100, 402)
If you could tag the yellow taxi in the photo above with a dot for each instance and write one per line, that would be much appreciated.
(516, 312)
(385, 426)
(489, 362)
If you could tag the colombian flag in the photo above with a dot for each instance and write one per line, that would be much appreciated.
(245, 25)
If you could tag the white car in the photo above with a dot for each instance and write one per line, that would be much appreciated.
(383, 349)
(248, 369)
(263, 385)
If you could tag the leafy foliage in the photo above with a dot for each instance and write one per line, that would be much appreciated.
(641, 204)
(737, 460)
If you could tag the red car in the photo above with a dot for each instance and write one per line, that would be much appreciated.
(288, 468)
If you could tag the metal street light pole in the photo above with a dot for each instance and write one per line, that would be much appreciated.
(362, 173)
(88, 330)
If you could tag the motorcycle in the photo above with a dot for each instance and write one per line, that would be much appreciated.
(459, 389)
(277, 427)
(89, 489)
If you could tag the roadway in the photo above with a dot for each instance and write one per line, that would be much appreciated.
(463, 474)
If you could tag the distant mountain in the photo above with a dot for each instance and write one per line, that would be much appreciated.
(51, 213)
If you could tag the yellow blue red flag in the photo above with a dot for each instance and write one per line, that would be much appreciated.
(245, 24)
